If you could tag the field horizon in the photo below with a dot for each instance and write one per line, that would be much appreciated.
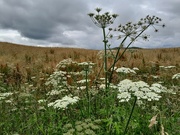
(13, 49)
(39, 46)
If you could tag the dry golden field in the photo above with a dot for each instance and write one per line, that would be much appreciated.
(20, 54)
(26, 59)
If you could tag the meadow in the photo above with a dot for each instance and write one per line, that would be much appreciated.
(58, 91)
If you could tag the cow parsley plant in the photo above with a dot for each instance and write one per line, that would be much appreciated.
(140, 89)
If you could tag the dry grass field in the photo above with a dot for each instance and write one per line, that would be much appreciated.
(46, 58)
(50, 56)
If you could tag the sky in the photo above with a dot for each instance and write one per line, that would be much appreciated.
(65, 23)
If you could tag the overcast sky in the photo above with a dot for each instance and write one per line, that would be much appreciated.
(65, 23)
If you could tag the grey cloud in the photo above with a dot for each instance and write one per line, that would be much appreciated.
(38, 19)
(50, 21)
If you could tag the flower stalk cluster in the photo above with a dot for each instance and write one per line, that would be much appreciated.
(68, 78)
(102, 20)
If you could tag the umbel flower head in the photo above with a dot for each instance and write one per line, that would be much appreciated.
(134, 30)
(140, 89)
(102, 20)
(176, 76)
(64, 102)
(125, 70)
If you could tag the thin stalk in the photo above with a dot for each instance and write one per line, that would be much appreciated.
(105, 58)
(82, 114)
(87, 93)
(116, 57)
(98, 74)
(125, 131)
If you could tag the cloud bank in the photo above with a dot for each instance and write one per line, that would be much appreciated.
(65, 23)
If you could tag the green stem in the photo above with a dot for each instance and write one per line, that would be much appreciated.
(125, 131)
(82, 114)
(115, 60)
(105, 58)
(87, 93)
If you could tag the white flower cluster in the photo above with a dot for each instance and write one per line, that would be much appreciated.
(140, 89)
(55, 92)
(125, 70)
(64, 102)
(167, 67)
(135, 68)
(176, 76)
(65, 62)
(56, 78)
(83, 81)
(86, 64)
(5, 95)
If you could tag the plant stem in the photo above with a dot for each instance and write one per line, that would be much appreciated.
(115, 60)
(105, 58)
(125, 131)
(87, 93)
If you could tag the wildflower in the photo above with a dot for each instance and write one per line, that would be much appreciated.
(58, 77)
(125, 70)
(83, 81)
(7, 94)
(152, 96)
(86, 64)
(64, 102)
(102, 86)
(42, 101)
(170, 67)
(124, 85)
(103, 20)
(65, 62)
(33, 77)
(140, 103)
(124, 96)
(176, 76)
(25, 94)
(156, 87)
(54, 92)
(135, 68)
(81, 88)
(9, 101)
(167, 67)
(155, 76)
(140, 89)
